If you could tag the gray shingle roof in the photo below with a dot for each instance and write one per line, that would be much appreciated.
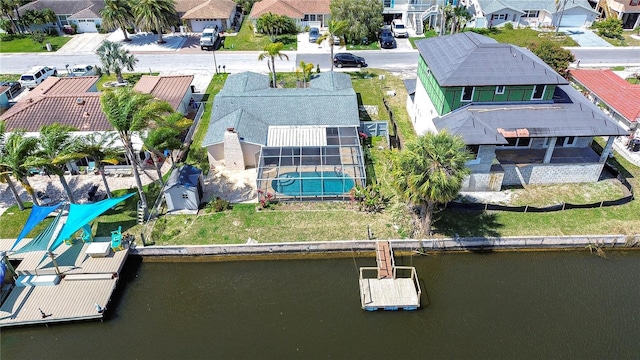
(66, 7)
(573, 115)
(248, 104)
(470, 59)
(491, 6)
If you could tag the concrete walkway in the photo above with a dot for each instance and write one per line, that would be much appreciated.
(585, 37)
(83, 44)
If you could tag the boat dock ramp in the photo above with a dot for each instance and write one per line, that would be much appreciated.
(75, 284)
(387, 286)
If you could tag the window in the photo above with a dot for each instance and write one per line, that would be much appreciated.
(185, 195)
(538, 92)
(473, 150)
(499, 89)
(467, 94)
(566, 141)
(634, 2)
(518, 142)
(530, 13)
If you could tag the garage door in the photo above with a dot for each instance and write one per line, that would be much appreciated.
(198, 25)
(573, 20)
(86, 26)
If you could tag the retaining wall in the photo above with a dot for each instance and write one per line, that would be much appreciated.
(506, 243)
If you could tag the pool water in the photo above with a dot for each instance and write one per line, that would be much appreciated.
(313, 183)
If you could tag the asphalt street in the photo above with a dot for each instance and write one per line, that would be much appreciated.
(403, 63)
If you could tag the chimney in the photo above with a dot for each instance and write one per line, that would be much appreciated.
(233, 155)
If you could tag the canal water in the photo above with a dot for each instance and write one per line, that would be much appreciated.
(490, 305)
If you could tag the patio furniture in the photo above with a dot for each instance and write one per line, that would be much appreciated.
(116, 239)
(87, 235)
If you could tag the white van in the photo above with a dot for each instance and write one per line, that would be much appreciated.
(398, 29)
(36, 75)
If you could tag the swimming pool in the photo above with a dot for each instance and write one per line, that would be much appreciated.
(326, 183)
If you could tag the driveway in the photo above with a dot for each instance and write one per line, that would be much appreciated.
(85, 43)
(585, 37)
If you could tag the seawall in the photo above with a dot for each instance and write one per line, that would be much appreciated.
(445, 244)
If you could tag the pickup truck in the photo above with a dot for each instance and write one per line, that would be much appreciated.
(209, 37)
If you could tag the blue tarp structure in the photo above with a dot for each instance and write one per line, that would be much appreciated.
(38, 213)
(81, 214)
(41, 241)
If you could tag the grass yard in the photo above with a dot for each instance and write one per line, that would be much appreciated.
(9, 77)
(132, 78)
(524, 37)
(247, 40)
(24, 44)
(626, 40)
(426, 35)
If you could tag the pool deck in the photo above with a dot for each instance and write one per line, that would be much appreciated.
(80, 291)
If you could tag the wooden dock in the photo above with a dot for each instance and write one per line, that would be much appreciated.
(393, 287)
(41, 295)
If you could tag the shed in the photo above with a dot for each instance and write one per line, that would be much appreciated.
(184, 190)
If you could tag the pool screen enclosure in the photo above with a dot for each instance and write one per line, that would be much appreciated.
(325, 172)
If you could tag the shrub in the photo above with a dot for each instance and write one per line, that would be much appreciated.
(610, 27)
(369, 198)
(508, 26)
(218, 205)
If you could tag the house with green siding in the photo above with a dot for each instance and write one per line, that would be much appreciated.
(522, 121)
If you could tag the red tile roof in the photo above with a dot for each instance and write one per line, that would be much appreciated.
(169, 88)
(81, 111)
(613, 90)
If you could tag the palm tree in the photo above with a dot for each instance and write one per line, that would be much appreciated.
(17, 149)
(155, 15)
(128, 112)
(336, 28)
(6, 171)
(102, 148)
(430, 171)
(117, 14)
(6, 8)
(271, 51)
(56, 151)
(306, 69)
(114, 57)
(165, 136)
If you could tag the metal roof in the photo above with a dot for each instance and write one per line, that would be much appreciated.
(247, 104)
(186, 175)
(470, 59)
(491, 6)
(480, 124)
(616, 92)
(297, 136)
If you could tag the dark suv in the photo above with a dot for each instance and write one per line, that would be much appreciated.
(347, 59)
(387, 41)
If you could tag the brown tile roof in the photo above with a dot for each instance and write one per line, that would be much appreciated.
(613, 90)
(169, 88)
(81, 111)
(63, 85)
(210, 9)
(291, 8)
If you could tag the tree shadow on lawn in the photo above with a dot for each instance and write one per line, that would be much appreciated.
(466, 224)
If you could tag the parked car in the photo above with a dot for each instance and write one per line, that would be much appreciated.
(36, 75)
(82, 70)
(387, 41)
(314, 34)
(14, 87)
(398, 29)
(209, 37)
(348, 59)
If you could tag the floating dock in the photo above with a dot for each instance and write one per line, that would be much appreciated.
(387, 286)
(76, 286)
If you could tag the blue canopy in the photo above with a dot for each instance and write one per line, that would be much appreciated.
(38, 213)
(41, 241)
(81, 214)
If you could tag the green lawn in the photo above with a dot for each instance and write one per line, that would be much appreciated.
(524, 37)
(132, 78)
(9, 77)
(247, 40)
(426, 35)
(625, 40)
(25, 44)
